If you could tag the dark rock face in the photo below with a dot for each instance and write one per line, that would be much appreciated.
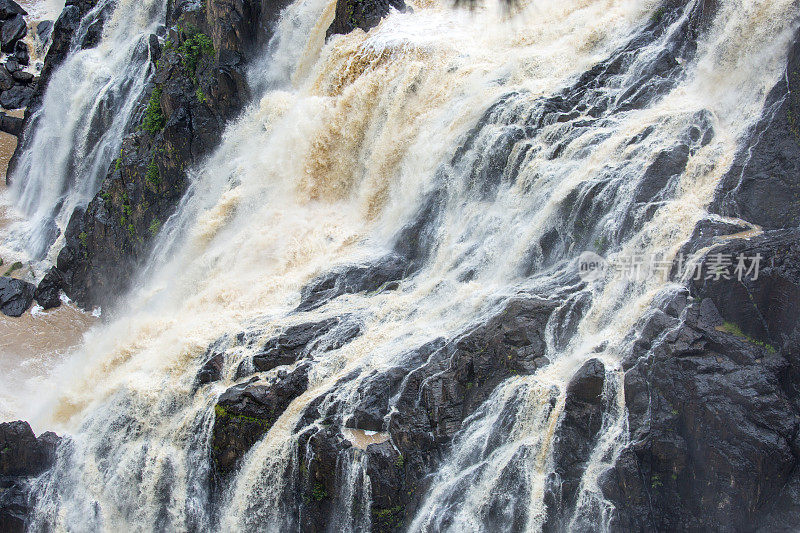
(456, 379)
(9, 8)
(711, 386)
(10, 125)
(713, 420)
(48, 292)
(358, 278)
(16, 296)
(574, 441)
(11, 31)
(364, 14)
(244, 413)
(762, 185)
(16, 97)
(199, 85)
(22, 456)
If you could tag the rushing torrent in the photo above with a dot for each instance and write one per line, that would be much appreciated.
(78, 129)
(481, 151)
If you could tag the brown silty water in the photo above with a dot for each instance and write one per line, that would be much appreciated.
(32, 345)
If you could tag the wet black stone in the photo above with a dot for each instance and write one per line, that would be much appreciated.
(48, 293)
(16, 296)
(16, 97)
(11, 31)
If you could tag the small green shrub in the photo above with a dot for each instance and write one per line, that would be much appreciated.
(154, 120)
(193, 48)
(155, 227)
(153, 176)
(319, 493)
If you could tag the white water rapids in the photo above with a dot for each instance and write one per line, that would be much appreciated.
(345, 145)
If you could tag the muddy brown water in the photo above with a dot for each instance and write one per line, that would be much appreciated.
(33, 345)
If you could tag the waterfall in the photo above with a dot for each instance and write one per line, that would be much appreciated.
(78, 129)
(484, 151)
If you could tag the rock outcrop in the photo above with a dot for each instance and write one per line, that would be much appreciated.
(198, 85)
(363, 14)
(22, 456)
(16, 296)
(711, 386)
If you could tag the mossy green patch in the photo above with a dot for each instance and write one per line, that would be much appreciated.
(13, 268)
(735, 330)
(318, 493)
(155, 227)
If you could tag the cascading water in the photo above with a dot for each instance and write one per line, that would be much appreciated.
(484, 153)
(78, 129)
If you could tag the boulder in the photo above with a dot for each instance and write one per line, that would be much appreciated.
(22, 76)
(22, 453)
(7, 80)
(12, 65)
(48, 293)
(16, 97)
(364, 14)
(12, 30)
(44, 30)
(22, 456)
(244, 413)
(16, 296)
(9, 124)
(21, 52)
(9, 8)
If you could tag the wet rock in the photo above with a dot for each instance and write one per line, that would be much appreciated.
(16, 296)
(454, 379)
(371, 405)
(319, 452)
(22, 456)
(44, 31)
(22, 76)
(364, 14)
(244, 413)
(574, 441)
(48, 293)
(713, 404)
(212, 369)
(10, 125)
(16, 97)
(298, 341)
(761, 186)
(21, 52)
(9, 8)
(22, 453)
(12, 30)
(354, 279)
